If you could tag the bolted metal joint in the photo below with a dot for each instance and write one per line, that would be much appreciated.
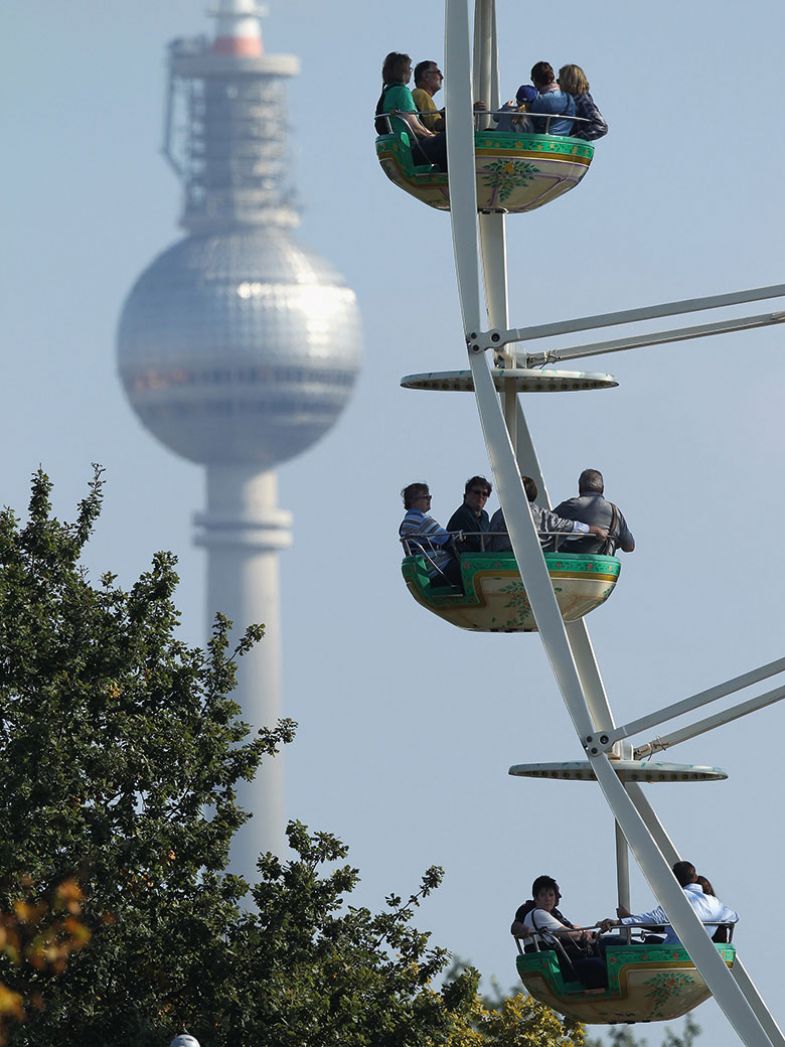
(594, 744)
(484, 340)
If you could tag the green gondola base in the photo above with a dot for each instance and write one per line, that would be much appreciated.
(646, 983)
(515, 172)
(494, 599)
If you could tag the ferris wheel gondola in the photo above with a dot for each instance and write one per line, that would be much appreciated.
(514, 173)
(479, 246)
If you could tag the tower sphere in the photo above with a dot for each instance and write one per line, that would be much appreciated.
(239, 347)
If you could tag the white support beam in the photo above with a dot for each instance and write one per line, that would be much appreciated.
(649, 312)
(652, 822)
(727, 992)
(526, 546)
(679, 334)
(743, 980)
(757, 1003)
(710, 723)
(695, 701)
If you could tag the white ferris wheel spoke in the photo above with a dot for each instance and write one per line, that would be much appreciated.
(726, 990)
(652, 340)
(757, 1003)
(460, 161)
(668, 850)
(581, 688)
(647, 312)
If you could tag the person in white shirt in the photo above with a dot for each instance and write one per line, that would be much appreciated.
(710, 910)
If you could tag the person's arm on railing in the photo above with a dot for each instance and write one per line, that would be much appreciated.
(416, 125)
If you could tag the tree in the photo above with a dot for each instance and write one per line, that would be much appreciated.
(120, 752)
(115, 738)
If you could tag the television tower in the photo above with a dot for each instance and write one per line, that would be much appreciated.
(237, 348)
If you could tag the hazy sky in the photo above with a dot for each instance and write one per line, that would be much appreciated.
(407, 726)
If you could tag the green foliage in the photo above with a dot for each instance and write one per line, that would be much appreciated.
(120, 753)
(116, 739)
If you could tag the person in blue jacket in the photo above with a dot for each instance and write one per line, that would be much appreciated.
(551, 100)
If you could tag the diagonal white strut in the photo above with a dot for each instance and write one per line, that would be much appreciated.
(526, 546)
(739, 972)
(656, 338)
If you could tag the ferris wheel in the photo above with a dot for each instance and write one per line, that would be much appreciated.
(493, 174)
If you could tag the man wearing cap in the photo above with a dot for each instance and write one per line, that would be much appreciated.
(512, 115)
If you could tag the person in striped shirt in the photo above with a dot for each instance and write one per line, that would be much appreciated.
(424, 536)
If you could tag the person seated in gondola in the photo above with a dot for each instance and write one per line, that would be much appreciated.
(428, 79)
(550, 101)
(540, 919)
(512, 117)
(428, 147)
(722, 933)
(546, 895)
(471, 518)
(547, 523)
(592, 507)
(592, 124)
(424, 536)
(708, 909)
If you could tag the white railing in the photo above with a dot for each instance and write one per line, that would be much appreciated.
(547, 117)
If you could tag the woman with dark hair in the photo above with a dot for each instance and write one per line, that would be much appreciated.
(427, 147)
(721, 933)
(551, 101)
(705, 885)
(572, 80)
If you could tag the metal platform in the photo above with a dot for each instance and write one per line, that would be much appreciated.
(521, 379)
(627, 770)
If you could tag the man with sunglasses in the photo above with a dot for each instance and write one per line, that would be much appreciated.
(471, 517)
(428, 80)
(424, 536)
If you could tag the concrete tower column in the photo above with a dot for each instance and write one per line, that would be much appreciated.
(243, 531)
(238, 348)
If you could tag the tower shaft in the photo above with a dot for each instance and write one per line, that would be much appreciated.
(243, 530)
(238, 348)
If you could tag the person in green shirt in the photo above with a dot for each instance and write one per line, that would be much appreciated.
(428, 147)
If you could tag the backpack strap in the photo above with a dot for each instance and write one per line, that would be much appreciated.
(608, 547)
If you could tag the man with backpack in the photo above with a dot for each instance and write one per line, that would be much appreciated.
(591, 507)
(548, 524)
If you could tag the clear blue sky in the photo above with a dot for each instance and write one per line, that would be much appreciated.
(408, 727)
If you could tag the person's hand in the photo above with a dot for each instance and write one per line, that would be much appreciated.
(599, 532)
(605, 925)
(622, 912)
(480, 107)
